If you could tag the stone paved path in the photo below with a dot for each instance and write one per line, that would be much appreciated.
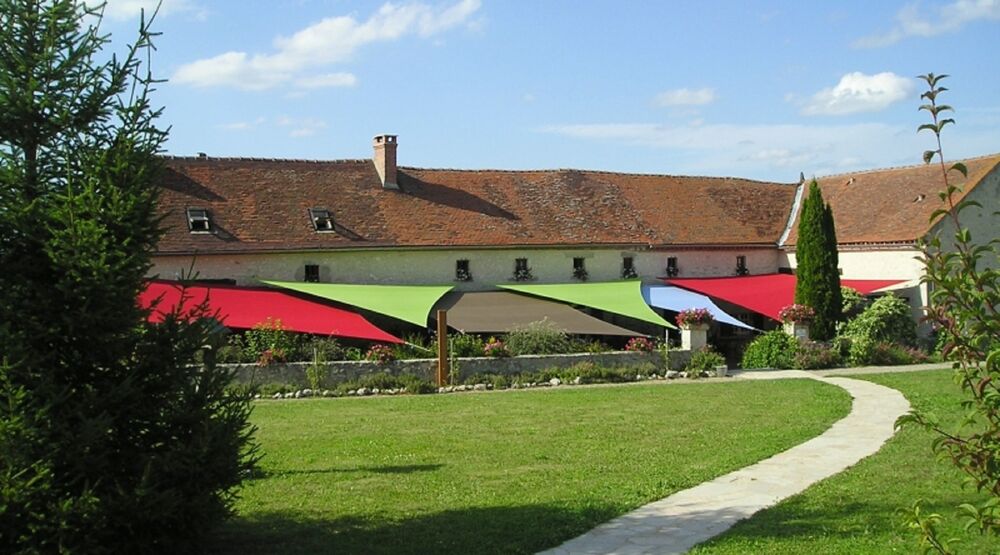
(686, 518)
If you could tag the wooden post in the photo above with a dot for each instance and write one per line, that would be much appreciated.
(442, 339)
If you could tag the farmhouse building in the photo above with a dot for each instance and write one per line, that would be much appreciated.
(247, 220)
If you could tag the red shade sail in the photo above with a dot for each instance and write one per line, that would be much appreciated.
(245, 307)
(765, 294)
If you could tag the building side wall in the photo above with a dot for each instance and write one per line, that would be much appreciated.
(982, 221)
(488, 267)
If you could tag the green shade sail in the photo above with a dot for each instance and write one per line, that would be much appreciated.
(410, 303)
(618, 297)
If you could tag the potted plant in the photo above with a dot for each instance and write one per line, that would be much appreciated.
(694, 319)
(796, 318)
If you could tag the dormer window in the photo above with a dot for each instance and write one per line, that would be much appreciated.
(321, 219)
(198, 220)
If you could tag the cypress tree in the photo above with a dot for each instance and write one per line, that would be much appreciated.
(110, 440)
(818, 278)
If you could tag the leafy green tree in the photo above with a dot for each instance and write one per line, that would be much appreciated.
(964, 277)
(818, 278)
(110, 441)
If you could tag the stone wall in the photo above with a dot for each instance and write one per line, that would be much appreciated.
(294, 373)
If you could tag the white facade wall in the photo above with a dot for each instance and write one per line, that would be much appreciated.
(488, 266)
(982, 222)
(898, 263)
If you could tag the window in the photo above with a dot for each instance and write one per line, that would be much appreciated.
(198, 220)
(521, 270)
(741, 266)
(312, 273)
(462, 272)
(672, 269)
(321, 219)
(579, 269)
(628, 267)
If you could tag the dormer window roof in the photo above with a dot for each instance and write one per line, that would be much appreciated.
(199, 220)
(321, 218)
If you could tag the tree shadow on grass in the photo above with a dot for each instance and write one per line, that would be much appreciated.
(387, 469)
(518, 529)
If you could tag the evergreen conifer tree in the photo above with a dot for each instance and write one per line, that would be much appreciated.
(110, 440)
(818, 278)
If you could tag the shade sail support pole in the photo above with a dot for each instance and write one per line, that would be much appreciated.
(442, 340)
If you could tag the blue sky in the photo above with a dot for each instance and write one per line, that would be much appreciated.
(762, 90)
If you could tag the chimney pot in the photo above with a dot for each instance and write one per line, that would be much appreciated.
(385, 160)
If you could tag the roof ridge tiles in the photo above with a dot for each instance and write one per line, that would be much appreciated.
(601, 172)
(907, 167)
(262, 159)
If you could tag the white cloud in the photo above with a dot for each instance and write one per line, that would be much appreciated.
(772, 151)
(120, 10)
(242, 125)
(327, 80)
(949, 18)
(857, 92)
(685, 97)
(301, 127)
(331, 40)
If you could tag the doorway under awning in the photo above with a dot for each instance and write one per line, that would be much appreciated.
(676, 299)
(766, 294)
(502, 311)
(623, 298)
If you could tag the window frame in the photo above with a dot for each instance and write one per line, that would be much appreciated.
(316, 215)
(204, 217)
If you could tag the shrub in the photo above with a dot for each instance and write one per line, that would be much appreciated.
(538, 338)
(588, 372)
(811, 355)
(639, 344)
(466, 345)
(853, 303)
(704, 359)
(495, 348)
(774, 349)
(888, 319)
(233, 351)
(415, 346)
(592, 346)
(380, 353)
(269, 342)
(862, 351)
(498, 381)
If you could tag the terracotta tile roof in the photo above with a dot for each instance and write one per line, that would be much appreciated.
(259, 204)
(891, 205)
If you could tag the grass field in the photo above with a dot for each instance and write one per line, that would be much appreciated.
(855, 512)
(505, 472)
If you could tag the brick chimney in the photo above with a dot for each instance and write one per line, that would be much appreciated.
(385, 160)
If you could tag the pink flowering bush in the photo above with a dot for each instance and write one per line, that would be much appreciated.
(380, 353)
(495, 348)
(694, 317)
(639, 344)
(796, 313)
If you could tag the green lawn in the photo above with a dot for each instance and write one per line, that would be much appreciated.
(856, 512)
(505, 472)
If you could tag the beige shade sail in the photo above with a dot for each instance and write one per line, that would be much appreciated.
(500, 311)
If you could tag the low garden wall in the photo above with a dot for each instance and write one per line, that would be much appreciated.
(294, 373)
